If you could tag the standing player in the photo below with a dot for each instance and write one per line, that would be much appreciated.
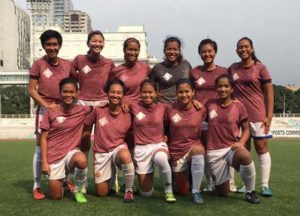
(110, 149)
(93, 72)
(228, 131)
(150, 147)
(203, 77)
(60, 138)
(185, 145)
(45, 75)
(167, 73)
(253, 87)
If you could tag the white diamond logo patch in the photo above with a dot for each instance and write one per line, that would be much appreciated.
(235, 76)
(201, 81)
(167, 76)
(212, 114)
(60, 119)
(176, 118)
(86, 69)
(48, 73)
(140, 116)
(103, 121)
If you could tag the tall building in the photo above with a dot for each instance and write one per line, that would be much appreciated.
(59, 8)
(14, 37)
(77, 21)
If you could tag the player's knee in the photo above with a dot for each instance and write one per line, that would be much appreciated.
(197, 149)
(147, 193)
(182, 185)
(56, 195)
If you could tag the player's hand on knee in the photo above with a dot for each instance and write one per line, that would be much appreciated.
(46, 169)
(237, 145)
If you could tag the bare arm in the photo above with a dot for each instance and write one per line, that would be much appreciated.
(44, 142)
(269, 101)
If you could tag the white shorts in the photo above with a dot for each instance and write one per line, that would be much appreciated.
(104, 162)
(257, 131)
(90, 103)
(182, 164)
(38, 119)
(59, 169)
(219, 161)
(204, 126)
(143, 156)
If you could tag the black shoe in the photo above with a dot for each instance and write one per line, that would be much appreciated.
(252, 197)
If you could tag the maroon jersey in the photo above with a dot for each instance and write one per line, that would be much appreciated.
(110, 129)
(185, 129)
(148, 123)
(92, 77)
(224, 123)
(49, 77)
(64, 130)
(132, 78)
(204, 81)
(248, 88)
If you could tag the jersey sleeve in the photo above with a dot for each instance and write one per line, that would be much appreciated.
(45, 124)
(243, 117)
(91, 117)
(34, 72)
(264, 75)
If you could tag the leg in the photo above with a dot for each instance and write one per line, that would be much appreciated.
(181, 182)
(102, 188)
(223, 189)
(264, 158)
(146, 184)
(56, 189)
(85, 148)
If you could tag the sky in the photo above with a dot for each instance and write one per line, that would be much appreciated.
(273, 25)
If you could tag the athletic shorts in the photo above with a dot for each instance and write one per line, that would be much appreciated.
(58, 170)
(181, 164)
(38, 119)
(204, 126)
(143, 156)
(90, 103)
(218, 162)
(104, 162)
(257, 132)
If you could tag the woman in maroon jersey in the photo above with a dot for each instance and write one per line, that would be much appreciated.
(93, 71)
(110, 149)
(60, 138)
(204, 77)
(150, 147)
(228, 131)
(253, 87)
(185, 145)
(45, 75)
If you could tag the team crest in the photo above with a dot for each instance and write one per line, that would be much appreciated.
(201, 81)
(86, 69)
(140, 116)
(103, 121)
(167, 76)
(48, 73)
(124, 78)
(60, 119)
(176, 118)
(235, 76)
(212, 114)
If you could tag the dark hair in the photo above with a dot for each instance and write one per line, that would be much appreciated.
(152, 83)
(253, 56)
(208, 41)
(128, 40)
(185, 81)
(92, 33)
(113, 82)
(50, 34)
(228, 76)
(178, 41)
(68, 80)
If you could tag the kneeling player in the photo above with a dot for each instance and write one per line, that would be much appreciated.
(60, 138)
(228, 131)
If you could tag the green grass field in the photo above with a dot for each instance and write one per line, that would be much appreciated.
(16, 186)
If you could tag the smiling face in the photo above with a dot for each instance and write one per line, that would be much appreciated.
(244, 50)
(96, 44)
(148, 94)
(207, 54)
(185, 93)
(224, 88)
(172, 52)
(68, 94)
(131, 52)
(52, 48)
(115, 94)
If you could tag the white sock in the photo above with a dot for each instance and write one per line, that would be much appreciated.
(161, 160)
(128, 172)
(114, 183)
(197, 169)
(147, 194)
(248, 176)
(210, 181)
(231, 173)
(87, 169)
(265, 168)
(37, 167)
(80, 176)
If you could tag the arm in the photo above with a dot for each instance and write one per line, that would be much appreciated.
(32, 91)
(44, 141)
(269, 102)
(244, 137)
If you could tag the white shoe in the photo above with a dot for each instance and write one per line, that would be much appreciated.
(232, 187)
(209, 188)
